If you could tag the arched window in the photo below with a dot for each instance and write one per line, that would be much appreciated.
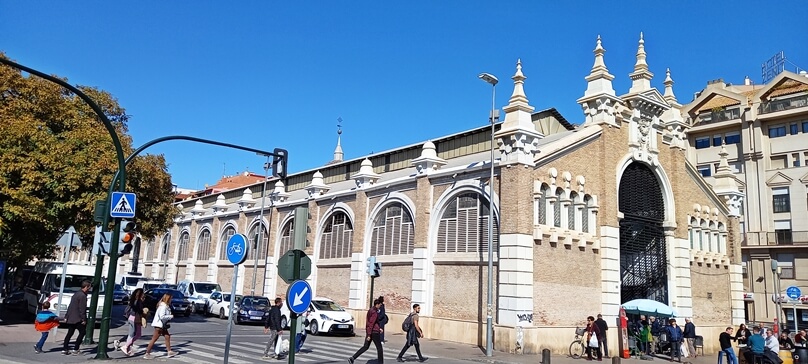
(337, 238)
(585, 213)
(557, 208)
(228, 232)
(691, 232)
(203, 245)
(287, 237)
(542, 205)
(392, 232)
(163, 247)
(182, 247)
(259, 247)
(149, 251)
(702, 231)
(722, 233)
(571, 211)
(464, 226)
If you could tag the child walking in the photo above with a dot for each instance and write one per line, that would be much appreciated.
(45, 321)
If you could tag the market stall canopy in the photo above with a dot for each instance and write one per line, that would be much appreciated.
(648, 307)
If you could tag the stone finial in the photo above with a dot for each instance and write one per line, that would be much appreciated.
(246, 200)
(669, 96)
(599, 101)
(317, 187)
(279, 193)
(338, 155)
(518, 138)
(220, 206)
(429, 160)
(366, 177)
(198, 210)
(518, 96)
(641, 77)
(180, 212)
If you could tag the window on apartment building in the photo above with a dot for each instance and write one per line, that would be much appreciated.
(805, 126)
(732, 138)
(782, 231)
(736, 167)
(795, 159)
(778, 161)
(781, 199)
(794, 129)
(717, 140)
(703, 142)
(786, 263)
(777, 131)
(705, 170)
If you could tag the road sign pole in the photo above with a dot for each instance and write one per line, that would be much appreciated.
(230, 318)
(794, 306)
(293, 335)
(64, 273)
(372, 280)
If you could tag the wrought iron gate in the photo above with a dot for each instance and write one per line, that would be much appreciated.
(643, 258)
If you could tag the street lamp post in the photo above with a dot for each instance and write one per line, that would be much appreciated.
(260, 234)
(489, 326)
(777, 304)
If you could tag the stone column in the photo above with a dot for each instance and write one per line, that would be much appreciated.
(680, 294)
(514, 269)
(360, 281)
(609, 271)
(422, 266)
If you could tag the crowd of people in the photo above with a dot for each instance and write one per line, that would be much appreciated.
(658, 336)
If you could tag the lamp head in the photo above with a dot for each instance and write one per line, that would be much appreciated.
(487, 77)
(774, 265)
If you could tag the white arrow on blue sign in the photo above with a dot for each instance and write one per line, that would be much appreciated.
(298, 296)
(122, 205)
(793, 292)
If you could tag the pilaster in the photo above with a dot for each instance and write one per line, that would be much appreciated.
(515, 287)
(610, 271)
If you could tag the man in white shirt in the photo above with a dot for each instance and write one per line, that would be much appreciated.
(771, 341)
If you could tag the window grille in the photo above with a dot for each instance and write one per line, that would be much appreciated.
(287, 237)
(150, 250)
(557, 209)
(393, 232)
(585, 214)
(337, 238)
(571, 212)
(163, 247)
(182, 247)
(463, 227)
(226, 235)
(258, 249)
(203, 245)
(542, 213)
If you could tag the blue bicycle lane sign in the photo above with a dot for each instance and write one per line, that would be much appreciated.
(237, 248)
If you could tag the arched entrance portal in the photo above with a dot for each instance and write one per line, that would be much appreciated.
(643, 262)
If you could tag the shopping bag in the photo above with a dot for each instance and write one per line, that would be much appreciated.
(593, 341)
(278, 345)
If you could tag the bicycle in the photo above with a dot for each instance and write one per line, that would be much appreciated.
(578, 345)
(235, 248)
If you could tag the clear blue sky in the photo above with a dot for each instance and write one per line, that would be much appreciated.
(269, 74)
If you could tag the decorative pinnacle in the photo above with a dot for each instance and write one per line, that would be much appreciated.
(599, 64)
(669, 96)
(641, 64)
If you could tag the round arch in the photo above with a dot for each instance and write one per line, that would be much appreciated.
(392, 198)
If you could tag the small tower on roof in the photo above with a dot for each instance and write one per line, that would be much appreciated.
(338, 155)
(641, 77)
(599, 101)
(518, 138)
(674, 126)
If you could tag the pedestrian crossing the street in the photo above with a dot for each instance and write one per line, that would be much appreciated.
(243, 352)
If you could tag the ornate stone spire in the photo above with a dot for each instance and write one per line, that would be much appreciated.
(279, 194)
(317, 186)
(641, 77)
(669, 96)
(366, 177)
(246, 200)
(338, 155)
(429, 160)
(518, 98)
(220, 206)
(600, 80)
(599, 101)
(518, 138)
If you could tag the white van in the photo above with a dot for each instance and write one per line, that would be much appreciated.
(129, 281)
(198, 293)
(43, 285)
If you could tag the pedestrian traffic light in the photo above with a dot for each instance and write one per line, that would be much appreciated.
(374, 269)
(128, 237)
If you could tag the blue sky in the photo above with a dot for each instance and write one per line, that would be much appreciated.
(268, 74)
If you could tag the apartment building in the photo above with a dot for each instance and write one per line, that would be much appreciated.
(763, 130)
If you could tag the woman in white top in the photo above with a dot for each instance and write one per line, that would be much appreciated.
(161, 324)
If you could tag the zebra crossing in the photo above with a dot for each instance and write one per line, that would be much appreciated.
(245, 352)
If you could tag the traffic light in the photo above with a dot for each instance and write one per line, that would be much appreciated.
(128, 237)
(279, 163)
(374, 269)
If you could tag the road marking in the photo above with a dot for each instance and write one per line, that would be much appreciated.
(215, 350)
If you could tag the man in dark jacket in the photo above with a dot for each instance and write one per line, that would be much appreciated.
(690, 338)
(725, 339)
(603, 326)
(76, 318)
(675, 339)
(382, 317)
(272, 325)
(373, 333)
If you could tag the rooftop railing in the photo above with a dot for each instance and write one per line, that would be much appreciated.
(783, 104)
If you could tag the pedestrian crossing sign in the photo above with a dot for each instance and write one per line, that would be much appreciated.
(122, 205)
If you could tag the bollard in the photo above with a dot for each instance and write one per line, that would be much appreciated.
(545, 356)
(615, 360)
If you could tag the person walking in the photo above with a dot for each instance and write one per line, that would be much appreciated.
(592, 339)
(372, 333)
(725, 340)
(162, 317)
(134, 313)
(675, 337)
(45, 321)
(413, 332)
(76, 318)
(272, 325)
(690, 338)
(603, 327)
(382, 318)
(300, 337)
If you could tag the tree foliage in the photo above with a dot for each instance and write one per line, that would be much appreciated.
(57, 160)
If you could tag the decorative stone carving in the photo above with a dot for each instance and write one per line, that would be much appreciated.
(317, 187)
(246, 200)
(279, 193)
(429, 160)
(518, 139)
(198, 210)
(365, 177)
(220, 206)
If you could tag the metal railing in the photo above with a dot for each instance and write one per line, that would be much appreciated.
(720, 115)
(783, 104)
(782, 237)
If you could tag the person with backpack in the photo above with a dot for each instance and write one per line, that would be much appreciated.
(45, 321)
(413, 332)
(372, 333)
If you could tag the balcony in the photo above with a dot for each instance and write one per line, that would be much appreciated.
(777, 238)
(718, 115)
(783, 104)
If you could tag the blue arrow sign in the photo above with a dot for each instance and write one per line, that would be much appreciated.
(298, 296)
(122, 205)
(793, 292)
(237, 249)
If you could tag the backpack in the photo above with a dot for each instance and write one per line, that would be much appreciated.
(407, 324)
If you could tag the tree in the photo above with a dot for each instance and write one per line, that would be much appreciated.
(57, 159)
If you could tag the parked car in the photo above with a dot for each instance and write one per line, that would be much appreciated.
(119, 295)
(219, 304)
(149, 284)
(179, 304)
(198, 293)
(252, 309)
(326, 316)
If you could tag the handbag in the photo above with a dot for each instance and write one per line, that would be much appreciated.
(593, 341)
